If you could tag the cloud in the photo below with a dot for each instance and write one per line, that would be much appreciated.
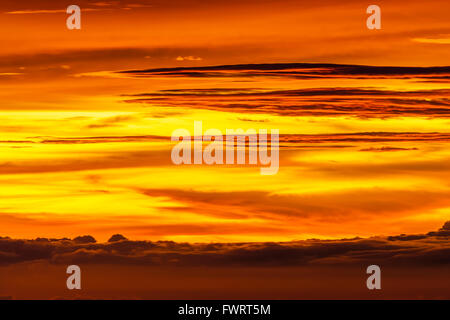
(445, 227)
(85, 239)
(415, 250)
(117, 237)
(375, 137)
(47, 7)
(188, 58)
(102, 139)
(445, 40)
(113, 121)
(337, 207)
(295, 70)
(87, 62)
(190, 229)
(289, 144)
(326, 102)
(110, 160)
(48, 11)
(387, 149)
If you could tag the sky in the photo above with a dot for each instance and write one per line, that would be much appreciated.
(86, 118)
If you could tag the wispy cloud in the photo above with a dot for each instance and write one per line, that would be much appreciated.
(354, 102)
(443, 40)
(295, 70)
(44, 11)
(188, 58)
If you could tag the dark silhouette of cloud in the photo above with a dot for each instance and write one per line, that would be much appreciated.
(357, 102)
(116, 238)
(445, 227)
(387, 149)
(295, 70)
(85, 239)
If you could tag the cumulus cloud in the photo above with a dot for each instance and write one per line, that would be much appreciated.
(85, 239)
(116, 238)
(445, 227)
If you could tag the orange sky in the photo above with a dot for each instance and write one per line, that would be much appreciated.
(84, 146)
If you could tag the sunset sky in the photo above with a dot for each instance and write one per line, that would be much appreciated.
(86, 118)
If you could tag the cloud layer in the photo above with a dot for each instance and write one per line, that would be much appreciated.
(432, 248)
